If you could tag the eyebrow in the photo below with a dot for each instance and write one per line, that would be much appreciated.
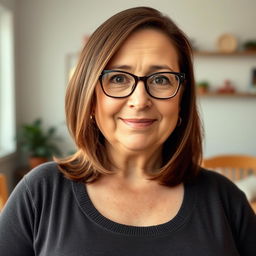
(151, 69)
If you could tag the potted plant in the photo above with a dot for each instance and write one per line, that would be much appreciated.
(40, 144)
(250, 45)
(203, 87)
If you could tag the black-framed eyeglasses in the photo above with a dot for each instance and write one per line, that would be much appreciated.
(160, 85)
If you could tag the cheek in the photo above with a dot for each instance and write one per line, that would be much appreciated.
(106, 109)
(170, 118)
(170, 115)
(170, 110)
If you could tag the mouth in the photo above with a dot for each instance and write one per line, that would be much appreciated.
(138, 123)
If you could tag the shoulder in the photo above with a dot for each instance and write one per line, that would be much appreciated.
(219, 201)
(212, 178)
(217, 182)
(46, 179)
(218, 189)
(45, 172)
(44, 186)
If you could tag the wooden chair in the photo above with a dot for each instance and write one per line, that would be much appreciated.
(3, 191)
(234, 167)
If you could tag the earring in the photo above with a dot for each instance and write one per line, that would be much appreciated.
(179, 121)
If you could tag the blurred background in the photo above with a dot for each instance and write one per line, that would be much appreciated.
(41, 39)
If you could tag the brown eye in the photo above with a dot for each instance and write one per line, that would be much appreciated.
(119, 79)
(161, 80)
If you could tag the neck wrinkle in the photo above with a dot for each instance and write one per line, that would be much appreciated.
(134, 165)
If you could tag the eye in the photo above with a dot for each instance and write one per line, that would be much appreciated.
(161, 80)
(119, 79)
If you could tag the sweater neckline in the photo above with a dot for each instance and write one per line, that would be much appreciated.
(172, 225)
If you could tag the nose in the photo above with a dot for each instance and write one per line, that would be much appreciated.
(139, 99)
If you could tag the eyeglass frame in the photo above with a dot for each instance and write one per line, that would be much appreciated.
(144, 79)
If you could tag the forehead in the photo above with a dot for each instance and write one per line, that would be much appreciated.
(146, 47)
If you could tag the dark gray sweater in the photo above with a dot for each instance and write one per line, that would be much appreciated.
(49, 215)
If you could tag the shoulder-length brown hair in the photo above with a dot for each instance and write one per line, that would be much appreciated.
(182, 150)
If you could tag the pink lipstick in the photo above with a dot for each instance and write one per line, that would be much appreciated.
(138, 123)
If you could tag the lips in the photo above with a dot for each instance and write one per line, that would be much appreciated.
(138, 123)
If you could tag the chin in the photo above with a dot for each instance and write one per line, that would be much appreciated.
(139, 146)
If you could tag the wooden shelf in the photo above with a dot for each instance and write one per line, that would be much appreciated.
(223, 54)
(228, 95)
(215, 94)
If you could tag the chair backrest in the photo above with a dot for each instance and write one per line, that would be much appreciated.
(234, 167)
(3, 191)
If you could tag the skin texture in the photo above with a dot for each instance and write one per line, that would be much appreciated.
(136, 127)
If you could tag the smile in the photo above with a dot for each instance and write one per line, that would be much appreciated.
(138, 123)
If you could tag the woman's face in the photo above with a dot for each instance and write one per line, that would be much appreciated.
(139, 123)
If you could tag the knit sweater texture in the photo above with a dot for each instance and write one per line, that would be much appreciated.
(50, 215)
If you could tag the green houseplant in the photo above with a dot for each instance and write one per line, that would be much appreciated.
(250, 45)
(40, 144)
(203, 87)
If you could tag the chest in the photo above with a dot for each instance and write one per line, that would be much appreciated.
(136, 208)
(80, 231)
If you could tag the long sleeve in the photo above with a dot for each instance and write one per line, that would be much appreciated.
(16, 223)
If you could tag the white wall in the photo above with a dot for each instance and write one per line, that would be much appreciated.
(7, 85)
(8, 164)
(49, 30)
(10, 4)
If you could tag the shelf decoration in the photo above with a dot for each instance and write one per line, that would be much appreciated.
(226, 87)
(203, 87)
(227, 43)
(227, 46)
(250, 45)
(253, 81)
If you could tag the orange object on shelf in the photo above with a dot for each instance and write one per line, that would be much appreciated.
(227, 87)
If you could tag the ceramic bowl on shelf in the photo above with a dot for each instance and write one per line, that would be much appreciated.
(227, 43)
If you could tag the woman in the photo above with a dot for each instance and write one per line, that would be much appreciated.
(134, 186)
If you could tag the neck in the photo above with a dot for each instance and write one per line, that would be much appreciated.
(132, 166)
